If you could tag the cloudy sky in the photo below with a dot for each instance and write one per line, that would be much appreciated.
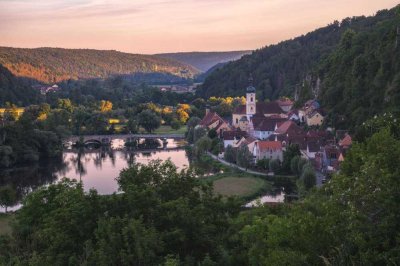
(152, 26)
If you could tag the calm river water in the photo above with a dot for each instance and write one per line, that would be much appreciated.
(97, 168)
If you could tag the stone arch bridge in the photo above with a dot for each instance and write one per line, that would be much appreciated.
(107, 139)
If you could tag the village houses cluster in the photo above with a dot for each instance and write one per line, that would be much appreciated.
(267, 128)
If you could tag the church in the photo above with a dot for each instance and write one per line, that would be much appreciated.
(244, 116)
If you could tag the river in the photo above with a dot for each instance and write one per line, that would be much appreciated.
(96, 168)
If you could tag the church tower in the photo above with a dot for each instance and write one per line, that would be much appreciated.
(250, 99)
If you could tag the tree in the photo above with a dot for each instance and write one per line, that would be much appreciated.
(6, 156)
(291, 151)
(198, 133)
(149, 120)
(294, 165)
(175, 124)
(244, 157)
(191, 125)
(105, 106)
(202, 145)
(65, 104)
(308, 177)
(230, 154)
(8, 196)
(182, 112)
(274, 165)
(263, 163)
(212, 133)
(132, 125)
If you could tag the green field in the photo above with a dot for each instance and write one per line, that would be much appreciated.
(169, 130)
(239, 186)
(5, 220)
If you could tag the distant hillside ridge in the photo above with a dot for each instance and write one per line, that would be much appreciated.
(205, 60)
(279, 69)
(51, 65)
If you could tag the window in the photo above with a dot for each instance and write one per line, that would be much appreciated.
(251, 99)
(251, 108)
(237, 120)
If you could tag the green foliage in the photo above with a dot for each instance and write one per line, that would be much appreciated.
(274, 165)
(132, 125)
(202, 146)
(161, 216)
(263, 163)
(352, 67)
(199, 132)
(8, 196)
(44, 64)
(244, 157)
(24, 142)
(175, 124)
(212, 133)
(291, 151)
(149, 120)
(230, 154)
(308, 177)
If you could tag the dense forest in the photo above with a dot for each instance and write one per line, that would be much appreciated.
(16, 90)
(349, 65)
(50, 65)
(205, 60)
(166, 217)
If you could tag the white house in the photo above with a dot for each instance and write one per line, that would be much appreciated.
(267, 150)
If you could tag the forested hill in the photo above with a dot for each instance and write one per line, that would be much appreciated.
(55, 64)
(205, 60)
(16, 90)
(355, 60)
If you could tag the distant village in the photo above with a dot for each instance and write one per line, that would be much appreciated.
(267, 128)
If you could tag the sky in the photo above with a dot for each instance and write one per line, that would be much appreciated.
(155, 26)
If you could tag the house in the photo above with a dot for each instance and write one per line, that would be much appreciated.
(315, 118)
(285, 104)
(330, 158)
(294, 115)
(346, 142)
(289, 128)
(213, 121)
(265, 126)
(46, 89)
(267, 150)
(231, 137)
(252, 108)
(249, 142)
(312, 149)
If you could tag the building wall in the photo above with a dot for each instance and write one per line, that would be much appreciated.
(262, 134)
(315, 120)
(270, 154)
(250, 103)
(228, 142)
(235, 119)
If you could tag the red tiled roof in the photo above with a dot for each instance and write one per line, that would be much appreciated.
(261, 108)
(269, 145)
(346, 141)
(232, 134)
(249, 140)
(210, 118)
(288, 127)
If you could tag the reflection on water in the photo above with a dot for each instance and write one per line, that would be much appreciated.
(97, 168)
